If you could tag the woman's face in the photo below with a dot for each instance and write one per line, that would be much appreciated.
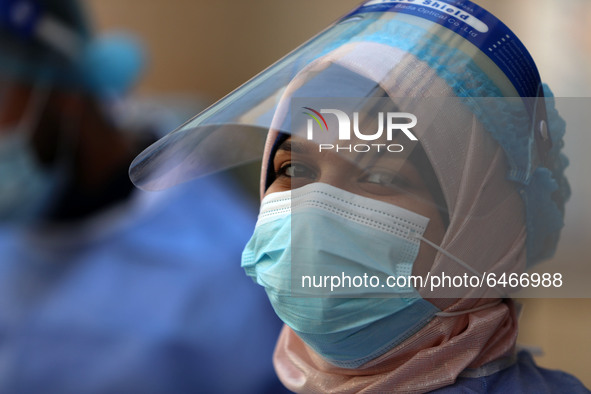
(386, 177)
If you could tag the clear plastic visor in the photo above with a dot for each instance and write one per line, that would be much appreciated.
(233, 131)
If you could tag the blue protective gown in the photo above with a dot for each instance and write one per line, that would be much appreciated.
(147, 297)
(522, 375)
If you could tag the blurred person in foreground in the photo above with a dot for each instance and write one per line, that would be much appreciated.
(403, 146)
(103, 288)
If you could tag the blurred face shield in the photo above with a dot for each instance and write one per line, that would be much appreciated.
(436, 111)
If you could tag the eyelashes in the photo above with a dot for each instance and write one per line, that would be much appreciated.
(376, 180)
(295, 170)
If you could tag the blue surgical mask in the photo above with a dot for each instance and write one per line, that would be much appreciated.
(26, 187)
(319, 230)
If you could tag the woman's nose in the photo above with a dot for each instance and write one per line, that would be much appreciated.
(339, 173)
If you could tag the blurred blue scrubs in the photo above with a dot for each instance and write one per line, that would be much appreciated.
(145, 297)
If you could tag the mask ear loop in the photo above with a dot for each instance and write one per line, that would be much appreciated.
(414, 234)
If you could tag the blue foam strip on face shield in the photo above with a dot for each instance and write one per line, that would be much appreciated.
(476, 25)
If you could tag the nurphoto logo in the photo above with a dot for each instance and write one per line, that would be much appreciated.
(390, 122)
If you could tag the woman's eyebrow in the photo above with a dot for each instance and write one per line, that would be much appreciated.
(297, 147)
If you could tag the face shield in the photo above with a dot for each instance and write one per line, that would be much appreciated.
(244, 117)
(439, 111)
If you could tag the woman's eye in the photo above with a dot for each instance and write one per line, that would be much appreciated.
(296, 170)
(385, 179)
